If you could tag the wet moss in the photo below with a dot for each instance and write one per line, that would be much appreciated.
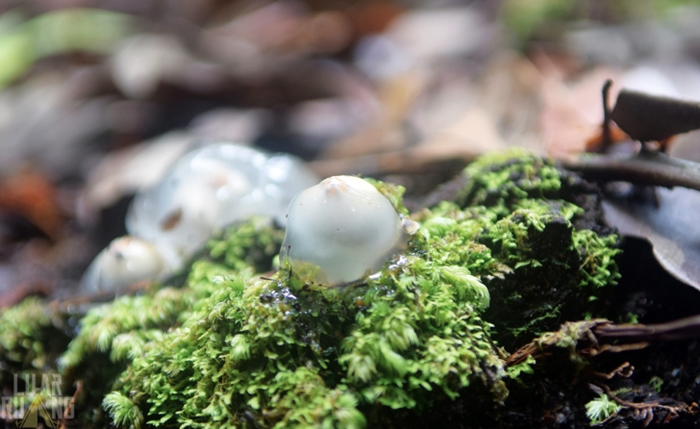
(236, 347)
(560, 266)
(285, 352)
(32, 336)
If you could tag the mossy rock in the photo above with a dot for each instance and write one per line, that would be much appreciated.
(236, 347)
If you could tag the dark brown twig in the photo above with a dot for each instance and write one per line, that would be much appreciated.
(70, 411)
(681, 329)
(625, 370)
(644, 168)
(604, 336)
(606, 141)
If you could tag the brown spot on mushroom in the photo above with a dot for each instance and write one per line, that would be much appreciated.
(171, 220)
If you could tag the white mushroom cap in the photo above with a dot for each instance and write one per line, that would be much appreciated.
(210, 188)
(345, 226)
(126, 260)
(205, 190)
(180, 214)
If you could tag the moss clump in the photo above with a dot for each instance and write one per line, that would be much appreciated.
(502, 179)
(248, 245)
(122, 328)
(32, 336)
(233, 348)
(111, 336)
(559, 269)
(284, 352)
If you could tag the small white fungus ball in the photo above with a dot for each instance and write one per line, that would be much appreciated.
(126, 260)
(345, 226)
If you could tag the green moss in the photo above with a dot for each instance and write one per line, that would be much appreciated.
(122, 328)
(251, 244)
(598, 257)
(499, 180)
(285, 352)
(535, 232)
(601, 408)
(239, 347)
(32, 335)
(21, 340)
(288, 353)
(111, 336)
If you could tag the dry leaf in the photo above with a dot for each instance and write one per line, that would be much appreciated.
(672, 228)
(651, 118)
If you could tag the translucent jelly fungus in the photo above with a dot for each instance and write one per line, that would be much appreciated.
(343, 225)
(124, 261)
(210, 188)
(204, 191)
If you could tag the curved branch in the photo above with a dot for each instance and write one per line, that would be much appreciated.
(682, 329)
(644, 168)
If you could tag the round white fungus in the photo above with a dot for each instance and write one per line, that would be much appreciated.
(345, 226)
(208, 189)
(126, 260)
(204, 191)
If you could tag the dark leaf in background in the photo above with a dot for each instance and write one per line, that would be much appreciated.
(651, 118)
(672, 228)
